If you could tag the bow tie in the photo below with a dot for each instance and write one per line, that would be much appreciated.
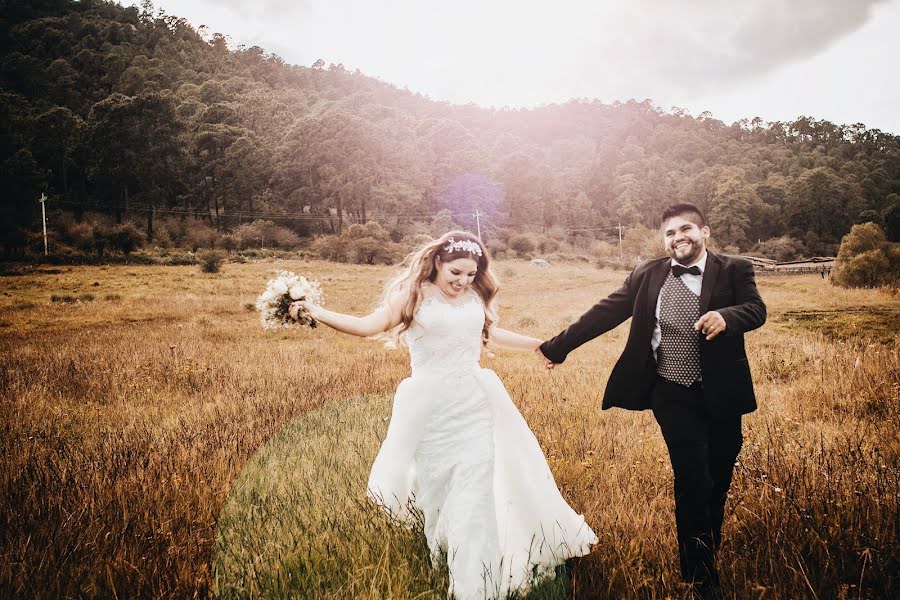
(678, 270)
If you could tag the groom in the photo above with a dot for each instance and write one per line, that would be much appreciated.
(685, 360)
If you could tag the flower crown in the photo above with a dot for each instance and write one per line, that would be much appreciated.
(463, 245)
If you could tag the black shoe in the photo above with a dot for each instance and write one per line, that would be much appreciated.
(705, 590)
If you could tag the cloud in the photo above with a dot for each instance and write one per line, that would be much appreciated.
(711, 43)
(274, 8)
(526, 52)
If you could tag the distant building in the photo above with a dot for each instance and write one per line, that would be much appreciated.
(761, 263)
(816, 264)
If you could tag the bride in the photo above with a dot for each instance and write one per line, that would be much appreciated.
(457, 449)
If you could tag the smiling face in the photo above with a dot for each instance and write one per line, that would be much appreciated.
(453, 277)
(684, 239)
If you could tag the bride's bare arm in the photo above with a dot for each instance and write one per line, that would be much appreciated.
(510, 340)
(379, 321)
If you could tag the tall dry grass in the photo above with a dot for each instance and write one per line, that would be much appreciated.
(129, 422)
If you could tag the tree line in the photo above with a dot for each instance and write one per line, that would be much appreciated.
(135, 114)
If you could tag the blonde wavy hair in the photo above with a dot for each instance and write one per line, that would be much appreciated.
(420, 267)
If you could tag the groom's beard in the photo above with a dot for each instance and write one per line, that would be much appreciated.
(687, 253)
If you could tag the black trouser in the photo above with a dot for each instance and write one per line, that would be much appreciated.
(703, 450)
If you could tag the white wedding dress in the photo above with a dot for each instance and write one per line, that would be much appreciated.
(459, 450)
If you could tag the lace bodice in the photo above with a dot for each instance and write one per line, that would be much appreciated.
(444, 337)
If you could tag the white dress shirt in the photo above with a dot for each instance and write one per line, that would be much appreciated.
(692, 282)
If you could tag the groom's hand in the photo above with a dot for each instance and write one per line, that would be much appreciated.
(711, 324)
(547, 362)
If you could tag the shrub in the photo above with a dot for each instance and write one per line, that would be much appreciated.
(184, 232)
(605, 250)
(282, 237)
(142, 258)
(125, 238)
(522, 244)
(419, 240)
(80, 235)
(178, 260)
(330, 247)
(866, 258)
(891, 218)
(547, 245)
(405, 230)
(443, 222)
(373, 251)
(211, 260)
(229, 242)
(96, 232)
(262, 234)
(782, 249)
(496, 246)
(642, 243)
(372, 229)
(162, 237)
(368, 244)
(199, 235)
(866, 269)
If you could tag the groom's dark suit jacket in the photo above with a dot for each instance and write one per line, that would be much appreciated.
(728, 287)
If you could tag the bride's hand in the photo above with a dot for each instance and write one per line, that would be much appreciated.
(295, 307)
(547, 362)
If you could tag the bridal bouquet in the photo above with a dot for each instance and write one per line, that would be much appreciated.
(273, 304)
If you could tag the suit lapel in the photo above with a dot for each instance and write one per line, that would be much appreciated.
(709, 280)
(657, 279)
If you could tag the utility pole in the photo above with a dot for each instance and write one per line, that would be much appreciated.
(620, 228)
(478, 223)
(43, 200)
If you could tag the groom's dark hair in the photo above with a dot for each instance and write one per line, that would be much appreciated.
(683, 210)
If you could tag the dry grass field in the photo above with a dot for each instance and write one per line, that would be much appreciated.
(157, 442)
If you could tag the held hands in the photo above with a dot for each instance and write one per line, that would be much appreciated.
(547, 362)
(711, 324)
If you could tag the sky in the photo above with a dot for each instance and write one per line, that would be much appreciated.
(776, 59)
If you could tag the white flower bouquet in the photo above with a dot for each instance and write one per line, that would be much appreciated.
(274, 303)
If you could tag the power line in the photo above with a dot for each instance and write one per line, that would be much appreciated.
(245, 214)
(610, 228)
(486, 220)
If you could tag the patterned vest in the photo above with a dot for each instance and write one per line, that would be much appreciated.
(678, 355)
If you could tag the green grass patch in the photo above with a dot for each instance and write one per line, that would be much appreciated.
(297, 522)
(852, 324)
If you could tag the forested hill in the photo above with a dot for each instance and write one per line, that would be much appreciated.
(135, 113)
